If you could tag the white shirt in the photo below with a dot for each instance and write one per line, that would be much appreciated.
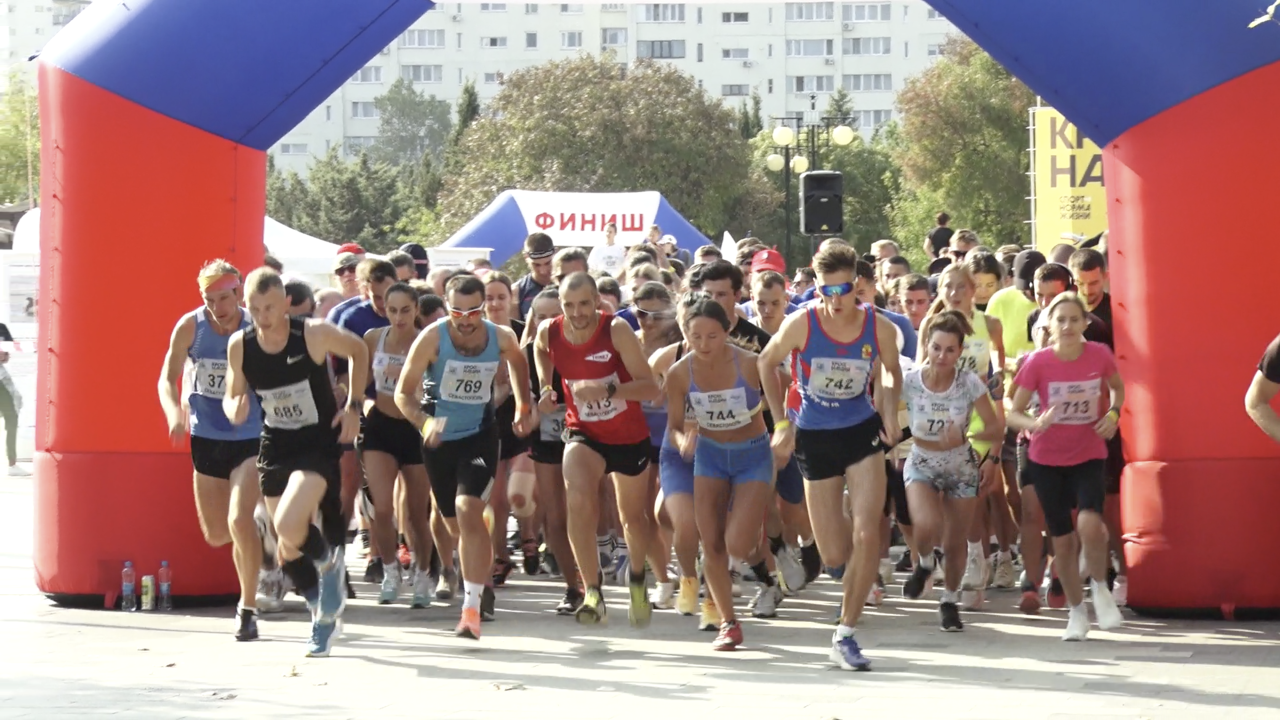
(606, 258)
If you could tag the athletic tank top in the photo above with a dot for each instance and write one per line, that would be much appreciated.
(833, 377)
(208, 355)
(976, 358)
(298, 406)
(461, 386)
(386, 367)
(690, 420)
(550, 425)
(611, 420)
(728, 409)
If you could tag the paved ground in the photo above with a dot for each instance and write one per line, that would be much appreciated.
(397, 662)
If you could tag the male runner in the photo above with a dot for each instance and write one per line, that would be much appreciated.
(538, 253)
(840, 440)
(226, 483)
(282, 359)
(460, 357)
(605, 377)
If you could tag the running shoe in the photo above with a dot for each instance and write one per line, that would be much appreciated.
(404, 556)
(469, 625)
(972, 599)
(886, 571)
(710, 619)
(346, 580)
(1077, 624)
(592, 610)
(663, 595)
(270, 595)
(949, 616)
(487, 602)
(1055, 597)
(915, 585)
(322, 636)
(846, 654)
(687, 600)
(530, 557)
(364, 543)
(904, 563)
(502, 568)
(248, 625)
(640, 612)
(620, 572)
(729, 638)
(1030, 604)
(1105, 608)
(767, 599)
(422, 589)
(1121, 590)
(811, 560)
(735, 577)
(447, 585)
(373, 571)
(391, 582)
(550, 565)
(333, 596)
(973, 572)
(835, 573)
(570, 602)
(875, 598)
(792, 573)
(1003, 577)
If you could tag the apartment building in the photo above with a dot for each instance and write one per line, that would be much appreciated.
(794, 53)
(25, 27)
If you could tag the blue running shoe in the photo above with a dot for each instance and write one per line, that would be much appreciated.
(322, 636)
(312, 597)
(846, 654)
(333, 592)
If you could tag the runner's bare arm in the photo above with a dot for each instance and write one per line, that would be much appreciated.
(184, 334)
(235, 403)
(890, 372)
(542, 358)
(676, 383)
(409, 387)
(992, 423)
(792, 335)
(1257, 402)
(323, 338)
(518, 366)
(642, 385)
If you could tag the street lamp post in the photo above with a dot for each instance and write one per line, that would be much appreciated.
(797, 148)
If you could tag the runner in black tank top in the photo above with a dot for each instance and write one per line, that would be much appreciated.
(301, 430)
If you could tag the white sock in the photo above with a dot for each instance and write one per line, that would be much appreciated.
(951, 596)
(844, 631)
(472, 590)
(391, 568)
(1004, 555)
(604, 541)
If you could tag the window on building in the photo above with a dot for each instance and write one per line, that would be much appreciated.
(866, 46)
(812, 83)
(531, 8)
(735, 54)
(368, 74)
(934, 50)
(699, 11)
(422, 38)
(613, 7)
(868, 83)
(531, 41)
(934, 15)
(293, 148)
(733, 18)
(735, 90)
(354, 145)
(493, 78)
(459, 41)
(662, 12)
(566, 9)
(667, 49)
(871, 119)
(493, 7)
(906, 49)
(866, 12)
(770, 86)
(493, 42)
(571, 40)
(805, 11)
(811, 48)
(422, 73)
(364, 110)
(699, 58)
(613, 37)
(328, 113)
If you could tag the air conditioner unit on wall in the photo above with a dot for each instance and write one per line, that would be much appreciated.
(830, 61)
(456, 18)
(385, 51)
(848, 26)
(747, 63)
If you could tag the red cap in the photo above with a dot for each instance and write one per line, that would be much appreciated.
(769, 259)
(351, 248)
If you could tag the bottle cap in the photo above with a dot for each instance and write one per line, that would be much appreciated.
(128, 564)
(164, 563)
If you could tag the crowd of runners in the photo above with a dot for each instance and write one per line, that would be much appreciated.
(639, 403)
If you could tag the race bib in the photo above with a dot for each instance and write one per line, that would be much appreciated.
(721, 409)
(291, 407)
(468, 383)
(602, 409)
(551, 426)
(210, 378)
(838, 378)
(930, 418)
(386, 372)
(976, 356)
(1077, 402)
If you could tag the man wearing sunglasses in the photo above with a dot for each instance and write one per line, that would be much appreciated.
(344, 270)
(460, 357)
(838, 436)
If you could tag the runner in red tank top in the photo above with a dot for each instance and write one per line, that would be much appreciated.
(605, 377)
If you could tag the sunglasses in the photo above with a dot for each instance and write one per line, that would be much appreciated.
(642, 314)
(836, 290)
(473, 312)
(348, 270)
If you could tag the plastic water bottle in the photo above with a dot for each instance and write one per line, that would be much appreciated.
(163, 578)
(128, 598)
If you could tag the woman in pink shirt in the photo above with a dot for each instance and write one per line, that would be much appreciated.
(1073, 380)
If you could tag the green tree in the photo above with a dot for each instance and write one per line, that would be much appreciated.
(744, 122)
(840, 104)
(647, 129)
(410, 123)
(365, 201)
(288, 199)
(19, 143)
(757, 121)
(962, 145)
(468, 109)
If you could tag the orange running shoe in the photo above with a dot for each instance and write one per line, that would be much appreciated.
(469, 625)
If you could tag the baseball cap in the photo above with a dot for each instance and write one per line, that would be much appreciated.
(939, 264)
(353, 248)
(769, 259)
(345, 260)
(667, 240)
(1024, 268)
(421, 263)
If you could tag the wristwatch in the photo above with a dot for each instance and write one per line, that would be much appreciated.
(610, 389)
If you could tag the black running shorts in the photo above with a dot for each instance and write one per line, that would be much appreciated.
(465, 466)
(217, 458)
(824, 454)
(396, 437)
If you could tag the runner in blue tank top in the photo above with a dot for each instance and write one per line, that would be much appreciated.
(840, 440)
(222, 454)
(459, 355)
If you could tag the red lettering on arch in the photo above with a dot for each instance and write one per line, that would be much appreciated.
(588, 222)
(568, 221)
(607, 220)
(544, 220)
(633, 222)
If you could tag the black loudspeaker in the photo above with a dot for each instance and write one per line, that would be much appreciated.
(822, 202)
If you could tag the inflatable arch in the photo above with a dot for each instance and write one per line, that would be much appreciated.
(1178, 93)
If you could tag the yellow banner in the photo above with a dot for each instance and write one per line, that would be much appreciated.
(1071, 200)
